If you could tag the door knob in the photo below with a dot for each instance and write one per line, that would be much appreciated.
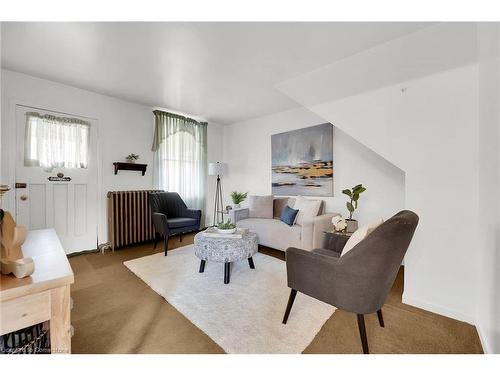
(23, 197)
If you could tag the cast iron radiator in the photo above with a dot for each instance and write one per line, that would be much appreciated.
(129, 217)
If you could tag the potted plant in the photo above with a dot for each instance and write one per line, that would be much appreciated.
(352, 205)
(237, 198)
(226, 227)
(132, 158)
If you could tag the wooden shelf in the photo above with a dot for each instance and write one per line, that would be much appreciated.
(130, 167)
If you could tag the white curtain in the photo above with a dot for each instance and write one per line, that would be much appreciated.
(56, 142)
(180, 146)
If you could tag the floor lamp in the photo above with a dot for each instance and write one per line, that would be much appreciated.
(218, 169)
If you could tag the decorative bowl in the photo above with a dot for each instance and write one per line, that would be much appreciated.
(226, 231)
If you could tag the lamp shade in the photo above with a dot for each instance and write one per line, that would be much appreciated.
(215, 169)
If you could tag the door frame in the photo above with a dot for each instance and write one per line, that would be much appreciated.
(11, 139)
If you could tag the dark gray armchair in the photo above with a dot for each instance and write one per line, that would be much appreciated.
(360, 280)
(171, 216)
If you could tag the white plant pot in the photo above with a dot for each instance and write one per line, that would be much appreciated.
(235, 206)
(226, 231)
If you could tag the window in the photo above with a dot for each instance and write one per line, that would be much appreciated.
(180, 157)
(56, 142)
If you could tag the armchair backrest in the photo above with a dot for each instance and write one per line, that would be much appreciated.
(376, 260)
(168, 203)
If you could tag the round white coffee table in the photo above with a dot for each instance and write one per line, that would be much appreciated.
(225, 250)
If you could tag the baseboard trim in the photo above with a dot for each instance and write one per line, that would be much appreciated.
(437, 309)
(483, 339)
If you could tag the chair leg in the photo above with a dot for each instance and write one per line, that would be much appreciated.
(155, 241)
(227, 272)
(165, 242)
(380, 318)
(202, 266)
(293, 293)
(180, 237)
(362, 333)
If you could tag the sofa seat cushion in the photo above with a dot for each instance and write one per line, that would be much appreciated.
(273, 233)
(180, 222)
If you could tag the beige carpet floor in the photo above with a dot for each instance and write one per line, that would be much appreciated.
(242, 317)
(115, 312)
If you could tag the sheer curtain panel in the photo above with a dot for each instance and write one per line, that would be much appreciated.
(56, 142)
(180, 147)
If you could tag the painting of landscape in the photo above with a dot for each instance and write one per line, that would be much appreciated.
(302, 161)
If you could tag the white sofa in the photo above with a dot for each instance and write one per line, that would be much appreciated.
(276, 234)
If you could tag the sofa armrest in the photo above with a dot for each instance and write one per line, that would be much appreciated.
(238, 214)
(312, 230)
(160, 224)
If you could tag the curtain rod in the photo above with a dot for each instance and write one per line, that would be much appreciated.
(158, 111)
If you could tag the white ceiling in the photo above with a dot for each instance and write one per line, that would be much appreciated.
(221, 72)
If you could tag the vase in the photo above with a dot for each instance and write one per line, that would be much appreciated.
(352, 225)
(236, 205)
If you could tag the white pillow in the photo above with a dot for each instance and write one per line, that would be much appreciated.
(308, 209)
(360, 235)
(260, 206)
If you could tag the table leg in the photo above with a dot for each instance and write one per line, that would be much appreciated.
(60, 325)
(227, 272)
(202, 266)
(250, 263)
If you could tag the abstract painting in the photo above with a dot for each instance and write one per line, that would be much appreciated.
(302, 161)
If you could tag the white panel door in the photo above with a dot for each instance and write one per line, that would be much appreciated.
(70, 207)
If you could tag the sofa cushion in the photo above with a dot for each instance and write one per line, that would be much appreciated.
(279, 204)
(179, 222)
(308, 209)
(273, 233)
(288, 215)
(260, 206)
(360, 235)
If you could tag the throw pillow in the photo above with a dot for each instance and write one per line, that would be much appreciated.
(360, 235)
(308, 209)
(260, 206)
(289, 215)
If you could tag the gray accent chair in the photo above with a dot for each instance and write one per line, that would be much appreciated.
(360, 280)
(171, 216)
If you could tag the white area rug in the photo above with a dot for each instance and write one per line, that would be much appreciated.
(243, 316)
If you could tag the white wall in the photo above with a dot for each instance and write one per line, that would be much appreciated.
(488, 293)
(429, 130)
(247, 151)
(124, 127)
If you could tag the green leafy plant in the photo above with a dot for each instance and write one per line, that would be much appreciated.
(132, 157)
(237, 197)
(354, 194)
(226, 225)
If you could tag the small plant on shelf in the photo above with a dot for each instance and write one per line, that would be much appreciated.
(237, 198)
(131, 158)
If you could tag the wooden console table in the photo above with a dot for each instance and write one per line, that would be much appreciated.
(43, 296)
